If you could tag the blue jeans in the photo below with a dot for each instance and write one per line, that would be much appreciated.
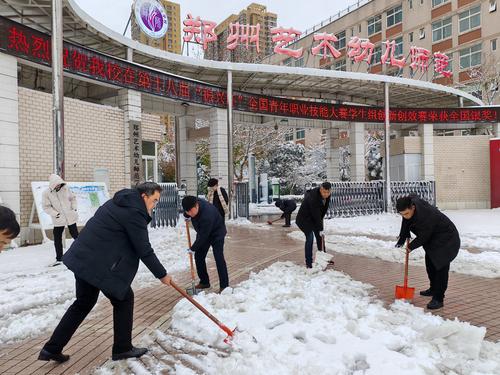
(309, 245)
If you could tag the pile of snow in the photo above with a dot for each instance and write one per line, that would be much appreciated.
(264, 209)
(34, 296)
(292, 320)
(243, 222)
(478, 229)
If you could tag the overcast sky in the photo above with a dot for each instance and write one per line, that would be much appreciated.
(300, 14)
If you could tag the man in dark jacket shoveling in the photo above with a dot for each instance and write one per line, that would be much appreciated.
(287, 206)
(105, 258)
(439, 238)
(210, 231)
(310, 217)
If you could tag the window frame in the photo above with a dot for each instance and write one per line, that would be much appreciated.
(395, 11)
(467, 52)
(442, 28)
(374, 24)
(468, 17)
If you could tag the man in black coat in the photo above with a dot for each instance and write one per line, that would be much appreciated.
(310, 217)
(287, 206)
(105, 258)
(439, 238)
(217, 196)
(210, 231)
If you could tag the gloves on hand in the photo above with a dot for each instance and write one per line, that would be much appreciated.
(322, 233)
(399, 245)
(189, 251)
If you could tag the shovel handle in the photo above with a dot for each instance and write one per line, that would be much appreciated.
(202, 309)
(190, 255)
(407, 259)
(188, 234)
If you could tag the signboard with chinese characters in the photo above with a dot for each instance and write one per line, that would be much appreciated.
(135, 152)
(31, 45)
(151, 17)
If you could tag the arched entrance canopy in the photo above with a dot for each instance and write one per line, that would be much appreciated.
(33, 46)
(254, 84)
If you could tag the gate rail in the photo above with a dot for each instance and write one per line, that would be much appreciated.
(166, 212)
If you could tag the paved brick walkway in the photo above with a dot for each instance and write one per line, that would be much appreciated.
(471, 299)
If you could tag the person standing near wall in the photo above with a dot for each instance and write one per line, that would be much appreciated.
(60, 203)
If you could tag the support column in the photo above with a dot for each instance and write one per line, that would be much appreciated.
(130, 102)
(496, 130)
(357, 149)
(187, 155)
(332, 155)
(426, 133)
(218, 146)
(10, 194)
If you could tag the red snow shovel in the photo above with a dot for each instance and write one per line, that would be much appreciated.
(271, 222)
(191, 290)
(405, 292)
(227, 330)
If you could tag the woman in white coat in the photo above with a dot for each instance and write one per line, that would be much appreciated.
(60, 203)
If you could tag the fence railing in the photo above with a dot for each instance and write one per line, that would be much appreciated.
(367, 198)
(166, 212)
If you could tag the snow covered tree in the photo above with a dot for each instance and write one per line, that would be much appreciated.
(285, 161)
(345, 163)
(314, 168)
(255, 139)
(373, 157)
(485, 79)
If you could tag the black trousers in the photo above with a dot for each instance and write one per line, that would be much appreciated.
(437, 278)
(86, 298)
(201, 265)
(288, 217)
(58, 231)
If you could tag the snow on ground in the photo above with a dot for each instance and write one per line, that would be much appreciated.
(478, 229)
(243, 222)
(375, 236)
(312, 322)
(34, 296)
(264, 209)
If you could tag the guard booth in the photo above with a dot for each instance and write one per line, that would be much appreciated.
(495, 172)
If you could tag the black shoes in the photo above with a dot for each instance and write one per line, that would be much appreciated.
(202, 286)
(435, 304)
(309, 266)
(47, 356)
(426, 293)
(132, 353)
(286, 226)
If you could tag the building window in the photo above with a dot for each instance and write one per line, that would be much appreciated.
(301, 134)
(436, 3)
(339, 65)
(493, 44)
(398, 50)
(441, 29)
(289, 135)
(410, 37)
(470, 57)
(359, 28)
(299, 62)
(341, 40)
(470, 19)
(377, 55)
(374, 25)
(410, 4)
(493, 5)
(394, 16)
(421, 33)
(149, 161)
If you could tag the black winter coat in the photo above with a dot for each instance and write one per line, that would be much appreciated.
(434, 231)
(106, 253)
(312, 211)
(209, 226)
(286, 205)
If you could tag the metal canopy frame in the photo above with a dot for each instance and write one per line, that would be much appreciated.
(320, 84)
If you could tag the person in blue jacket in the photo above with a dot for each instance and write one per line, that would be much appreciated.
(210, 231)
(105, 258)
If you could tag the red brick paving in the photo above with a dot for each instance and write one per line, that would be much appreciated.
(469, 298)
